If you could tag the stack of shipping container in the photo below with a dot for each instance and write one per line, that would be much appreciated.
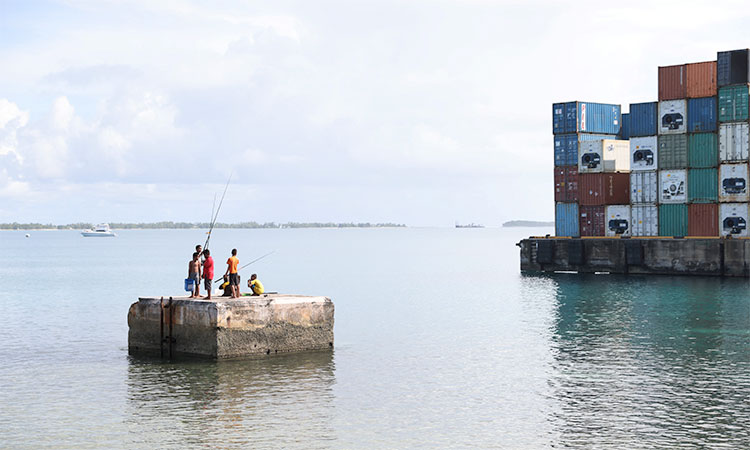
(676, 167)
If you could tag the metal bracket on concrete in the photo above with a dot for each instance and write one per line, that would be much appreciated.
(576, 255)
(633, 253)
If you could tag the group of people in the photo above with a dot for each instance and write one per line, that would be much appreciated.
(202, 267)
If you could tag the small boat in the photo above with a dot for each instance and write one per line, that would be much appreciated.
(101, 230)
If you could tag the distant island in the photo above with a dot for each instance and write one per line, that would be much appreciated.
(528, 223)
(195, 225)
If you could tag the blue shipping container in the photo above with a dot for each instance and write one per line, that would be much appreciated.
(566, 146)
(566, 219)
(643, 119)
(585, 117)
(702, 115)
(625, 129)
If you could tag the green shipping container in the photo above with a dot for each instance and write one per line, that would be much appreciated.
(673, 220)
(733, 103)
(703, 185)
(703, 150)
(673, 152)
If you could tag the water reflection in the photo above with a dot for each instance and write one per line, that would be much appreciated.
(284, 401)
(650, 362)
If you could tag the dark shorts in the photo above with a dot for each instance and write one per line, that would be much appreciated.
(207, 284)
(234, 279)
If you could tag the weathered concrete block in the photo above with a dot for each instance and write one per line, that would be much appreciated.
(230, 328)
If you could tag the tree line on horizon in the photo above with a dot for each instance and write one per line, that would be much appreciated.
(194, 225)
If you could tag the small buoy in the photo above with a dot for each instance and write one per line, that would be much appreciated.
(28, 235)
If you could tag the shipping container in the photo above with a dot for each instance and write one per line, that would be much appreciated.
(596, 189)
(608, 155)
(645, 220)
(703, 185)
(625, 128)
(701, 79)
(733, 219)
(566, 146)
(591, 220)
(733, 180)
(672, 117)
(673, 152)
(644, 187)
(566, 219)
(566, 184)
(617, 220)
(703, 219)
(734, 142)
(733, 103)
(585, 117)
(673, 220)
(643, 119)
(673, 186)
(672, 82)
(732, 67)
(643, 153)
(702, 115)
(703, 150)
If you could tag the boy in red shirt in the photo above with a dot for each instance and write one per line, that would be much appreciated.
(208, 272)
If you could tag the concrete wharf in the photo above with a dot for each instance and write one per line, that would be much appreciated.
(654, 255)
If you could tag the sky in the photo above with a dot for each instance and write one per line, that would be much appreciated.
(425, 113)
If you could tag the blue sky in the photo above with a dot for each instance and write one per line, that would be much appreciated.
(418, 112)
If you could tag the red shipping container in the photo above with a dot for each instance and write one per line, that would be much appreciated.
(566, 184)
(591, 220)
(672, 82)
(701, 79)
(703, 219)
(596, 189)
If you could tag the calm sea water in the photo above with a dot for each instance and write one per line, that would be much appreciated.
(440, 342)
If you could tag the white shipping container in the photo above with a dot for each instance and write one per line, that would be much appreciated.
(673, 186)
(733, 183)
(733, 219)
(606, 155)
(644, 187)
(643, 152)
(644, 220)
(617, 220)
(672, 117)
(734, 142)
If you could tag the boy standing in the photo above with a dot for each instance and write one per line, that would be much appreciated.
(208, 272)
(234, 280)
(194, 273)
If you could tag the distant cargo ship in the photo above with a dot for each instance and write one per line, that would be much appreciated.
(471, 225)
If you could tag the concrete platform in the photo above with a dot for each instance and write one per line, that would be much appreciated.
(230, 328)
(658, 255)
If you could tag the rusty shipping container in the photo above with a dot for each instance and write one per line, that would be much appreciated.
(701, 79)
(703, 219)
(591, 220)
(596, 189)
(672, 82)
(566, 184)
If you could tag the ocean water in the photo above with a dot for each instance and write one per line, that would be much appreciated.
(440, 342)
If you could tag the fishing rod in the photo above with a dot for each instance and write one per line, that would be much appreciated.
(251, 262)
(216, 215)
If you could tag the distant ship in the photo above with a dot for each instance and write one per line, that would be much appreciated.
(101, 230)
(471, 225)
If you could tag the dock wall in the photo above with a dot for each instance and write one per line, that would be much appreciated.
(667, 256)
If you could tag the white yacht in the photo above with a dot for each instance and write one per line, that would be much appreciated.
(101, 230)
